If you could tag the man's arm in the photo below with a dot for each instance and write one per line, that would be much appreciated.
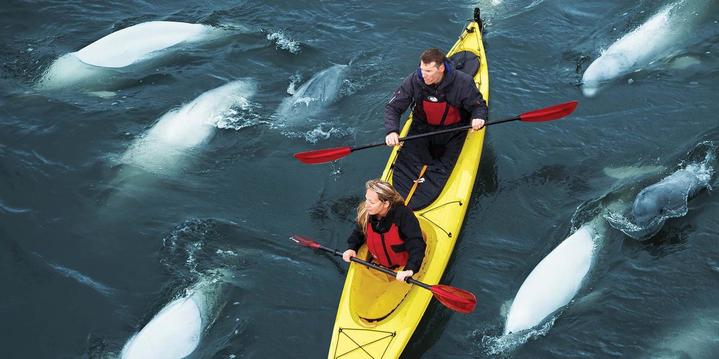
(397, 105)
(473, 101)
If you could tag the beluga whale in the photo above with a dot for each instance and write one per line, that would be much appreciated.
(554, 281)
(313, 96)
(668, 197)
(93, 65)
(177, 133)
(655, 40)
(177, 329)
(665, 199)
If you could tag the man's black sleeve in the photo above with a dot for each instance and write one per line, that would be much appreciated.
(400, 101)
(473, 101)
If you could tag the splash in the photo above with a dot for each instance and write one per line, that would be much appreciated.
(323, 131)
(502, 9)
(294, 80)
(507, 343)
(243, 114)
(282, 41)
(319, 133)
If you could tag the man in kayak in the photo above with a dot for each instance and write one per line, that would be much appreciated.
(390, 229)
(442, 97)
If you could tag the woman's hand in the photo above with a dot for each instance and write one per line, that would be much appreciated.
(403, 275)
(348, 254)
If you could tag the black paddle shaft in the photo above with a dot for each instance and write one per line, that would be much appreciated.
(460, 128)
(380, 268)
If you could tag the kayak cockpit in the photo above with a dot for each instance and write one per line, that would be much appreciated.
(375, 296)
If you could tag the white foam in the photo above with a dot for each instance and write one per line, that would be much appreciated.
(282, 41)
(294, 80)
(505, 343)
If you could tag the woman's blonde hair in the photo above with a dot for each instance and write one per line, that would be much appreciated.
(385, 192)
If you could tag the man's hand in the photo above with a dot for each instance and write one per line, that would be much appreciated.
(477, 124)
(392, 139)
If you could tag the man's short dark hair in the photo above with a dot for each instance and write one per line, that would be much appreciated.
(433, 55)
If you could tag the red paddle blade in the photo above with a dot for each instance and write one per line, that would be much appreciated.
(549, 113)
(303, 241)
(453, 298)
(322, 156)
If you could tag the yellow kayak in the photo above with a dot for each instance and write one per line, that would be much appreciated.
(377, 315)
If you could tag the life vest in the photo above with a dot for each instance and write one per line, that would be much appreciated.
(434, 107)
(437, 111)
(387, 248)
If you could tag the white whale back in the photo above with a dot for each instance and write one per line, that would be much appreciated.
(319, 91)
(138, 42)
(176, 331)
(553, 282)
(183, 129)
(637, 48)
(97, 63)
(173, 333)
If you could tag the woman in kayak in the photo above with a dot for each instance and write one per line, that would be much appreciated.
(390, 229)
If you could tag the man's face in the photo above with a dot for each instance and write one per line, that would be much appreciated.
(431, 73)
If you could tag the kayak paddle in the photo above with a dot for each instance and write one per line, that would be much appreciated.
(540, 115)
(453, 298)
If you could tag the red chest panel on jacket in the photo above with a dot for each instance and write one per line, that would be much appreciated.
(440, 113)
(387, 248)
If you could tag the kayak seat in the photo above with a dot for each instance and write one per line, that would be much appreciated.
(466, 61)
(408, 175)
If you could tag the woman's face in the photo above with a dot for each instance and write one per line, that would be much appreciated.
(374, 205)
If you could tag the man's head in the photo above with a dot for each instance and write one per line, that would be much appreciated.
(431, 63)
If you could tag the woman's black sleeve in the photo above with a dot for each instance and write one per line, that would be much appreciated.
(413, 241)
(356, 239)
